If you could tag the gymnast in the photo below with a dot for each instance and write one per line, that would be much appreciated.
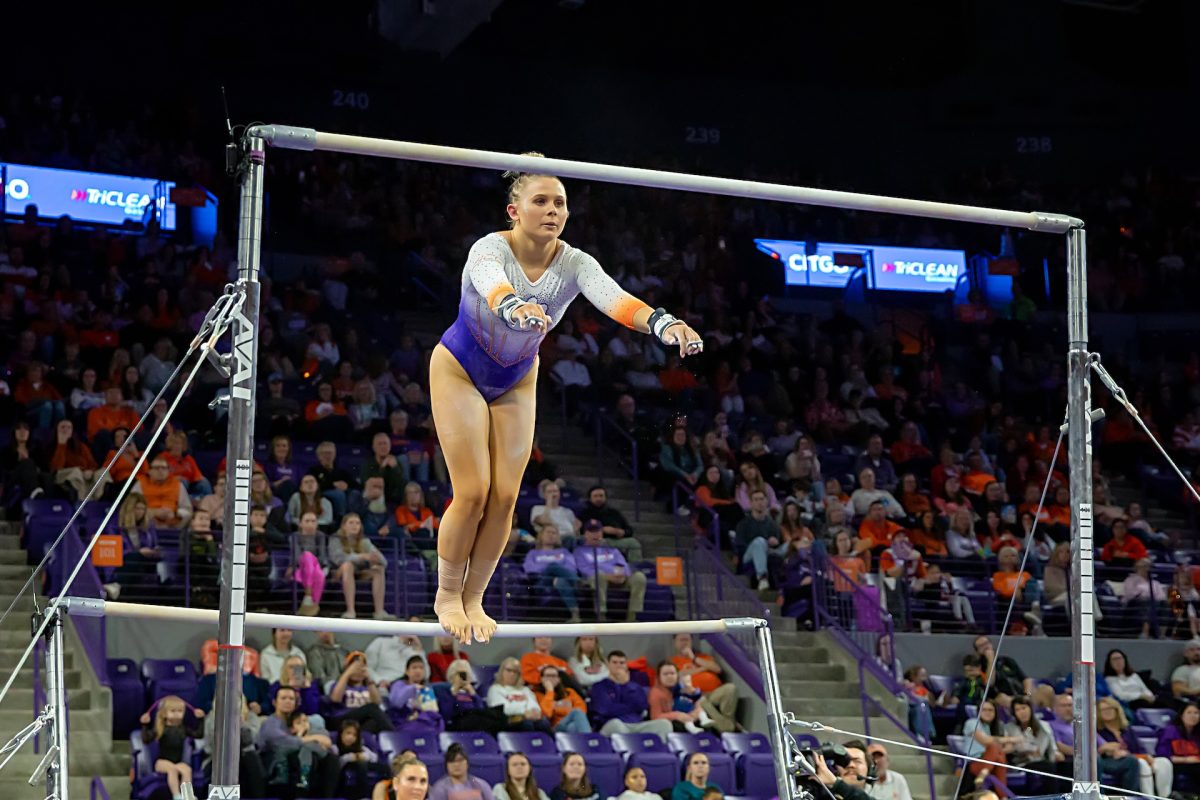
(517, 284)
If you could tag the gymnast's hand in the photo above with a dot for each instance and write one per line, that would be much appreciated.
(681, 334)
(528, 316)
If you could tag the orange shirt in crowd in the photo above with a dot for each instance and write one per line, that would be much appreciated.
(1132, 549)
(121, 470)
(183, 467)
(412, 522)
(914, 566)
(26, 393)
(879, 534)
(1007, 583)
(160, 495)
(310, 410)
(72, 454)
(552, 712)
(854, 569)
(532, 663)
(904, 451)
(107, 418)
(932, 545)
(676, 380)
(1043, 518)
(976, 482)
(703, 680)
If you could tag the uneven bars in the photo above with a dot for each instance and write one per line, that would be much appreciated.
(94, 607)
(308, 139)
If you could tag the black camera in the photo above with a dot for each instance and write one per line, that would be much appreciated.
(834, 754)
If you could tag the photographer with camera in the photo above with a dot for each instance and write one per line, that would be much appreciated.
(852, 771)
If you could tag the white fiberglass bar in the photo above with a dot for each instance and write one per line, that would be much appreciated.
(90, 607)
(308, 139)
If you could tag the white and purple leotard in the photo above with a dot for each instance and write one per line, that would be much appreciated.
(495, 355)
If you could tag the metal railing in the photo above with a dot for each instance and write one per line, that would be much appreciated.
(97, 790)
(855, 619)
(605, 426)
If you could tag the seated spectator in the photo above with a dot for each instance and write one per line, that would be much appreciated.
(1007, 582)
(355, 695)
(968, 690)
(520, 706)
(574, 784)
(326, 416)
(617, 531)
(388, 656)
(961, 540)
(72, 465)
(1185, 604)
(413, 704)
(587, 663)
(868, 492)
(256, 693)
(914, 501)
(445, 653)
(985, 740)
(214, 504)
(335, 483)
(553, 513)
(296, 675)
(1124, 683)
(141, 552)
(937, 586)
(1120, 765)
(416, 519)
(366, 409)
(355, 759)
(750, 479)
(279, 650)
(468, 711)
(619, 705)
(1144, 596)
(1185, 679)
(86, 395)
(23, 476)
(952, 498)
(166, 497)
(850, 564)
(458, 783)
(414, 458)
(704, 670)
(561, 705)
(173, 724)
(181, 464)
(635, 786)
(200, 550)
(325, 659)
(1122, 549)
(605, 567)
(1179, 742)
(695, 781)
(281, 471)
(756, 535)
(1117, 741)
(908, 451)
(1034, 747)
(356, 558)
(519, 781)
(715, 492)
(1009, 680)
(122, 466)
(42, 402)
(889, 784)
(875, 459)
(115, 413)
(876, 528)
(680, 702)
(541, 655)
(372, 508)
(554, 567)
(296, 749)
(382, 464)
(252, 778)
(310, 557)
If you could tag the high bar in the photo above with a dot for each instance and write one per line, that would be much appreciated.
(93, 607)
(308, 139)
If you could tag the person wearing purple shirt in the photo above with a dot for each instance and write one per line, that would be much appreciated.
(619, 705)
(458, 783)
(554, 567)
(281, 470)
(605, 566)
(1124, 768)
(1180, 742)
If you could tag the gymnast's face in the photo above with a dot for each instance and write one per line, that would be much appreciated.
(541, 209)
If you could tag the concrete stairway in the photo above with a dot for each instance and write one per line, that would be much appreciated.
(92, 751)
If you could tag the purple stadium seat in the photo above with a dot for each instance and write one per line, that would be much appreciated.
(166, 676)
(541, 751)
(660, 604)
(424, 745)
(146, 782)
(754, 761)
(482, 752)
(1155, 718)
(805, 741)
(651, 753)
(722, 771)
(486, 675)
(605, 767)
(128, 695)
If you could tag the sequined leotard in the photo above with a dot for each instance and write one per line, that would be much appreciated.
(495, 355)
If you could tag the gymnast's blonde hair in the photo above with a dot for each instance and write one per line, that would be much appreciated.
(517, 180)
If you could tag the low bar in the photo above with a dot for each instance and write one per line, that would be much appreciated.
(307, 139)
(92, 607)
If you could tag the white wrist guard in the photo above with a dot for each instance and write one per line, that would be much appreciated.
(506, 307)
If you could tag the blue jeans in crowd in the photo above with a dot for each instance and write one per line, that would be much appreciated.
(756, 554)
(575, 722)
(563, 581)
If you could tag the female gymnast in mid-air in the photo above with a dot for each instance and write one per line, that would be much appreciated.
(516, 285)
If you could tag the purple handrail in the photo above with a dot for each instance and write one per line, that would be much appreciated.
(97, 790)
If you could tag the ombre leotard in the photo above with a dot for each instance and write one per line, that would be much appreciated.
(495, 355)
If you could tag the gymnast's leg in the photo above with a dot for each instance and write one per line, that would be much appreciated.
(461, 416)
(510, 443)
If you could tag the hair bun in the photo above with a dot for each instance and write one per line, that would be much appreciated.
(514, 174)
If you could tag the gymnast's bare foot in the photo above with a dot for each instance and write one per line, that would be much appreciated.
(449, 609)
(482, 626)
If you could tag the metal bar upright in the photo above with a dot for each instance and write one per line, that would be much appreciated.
(57, 777)
(1079, 457)
(240, 461)
(781, 743)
